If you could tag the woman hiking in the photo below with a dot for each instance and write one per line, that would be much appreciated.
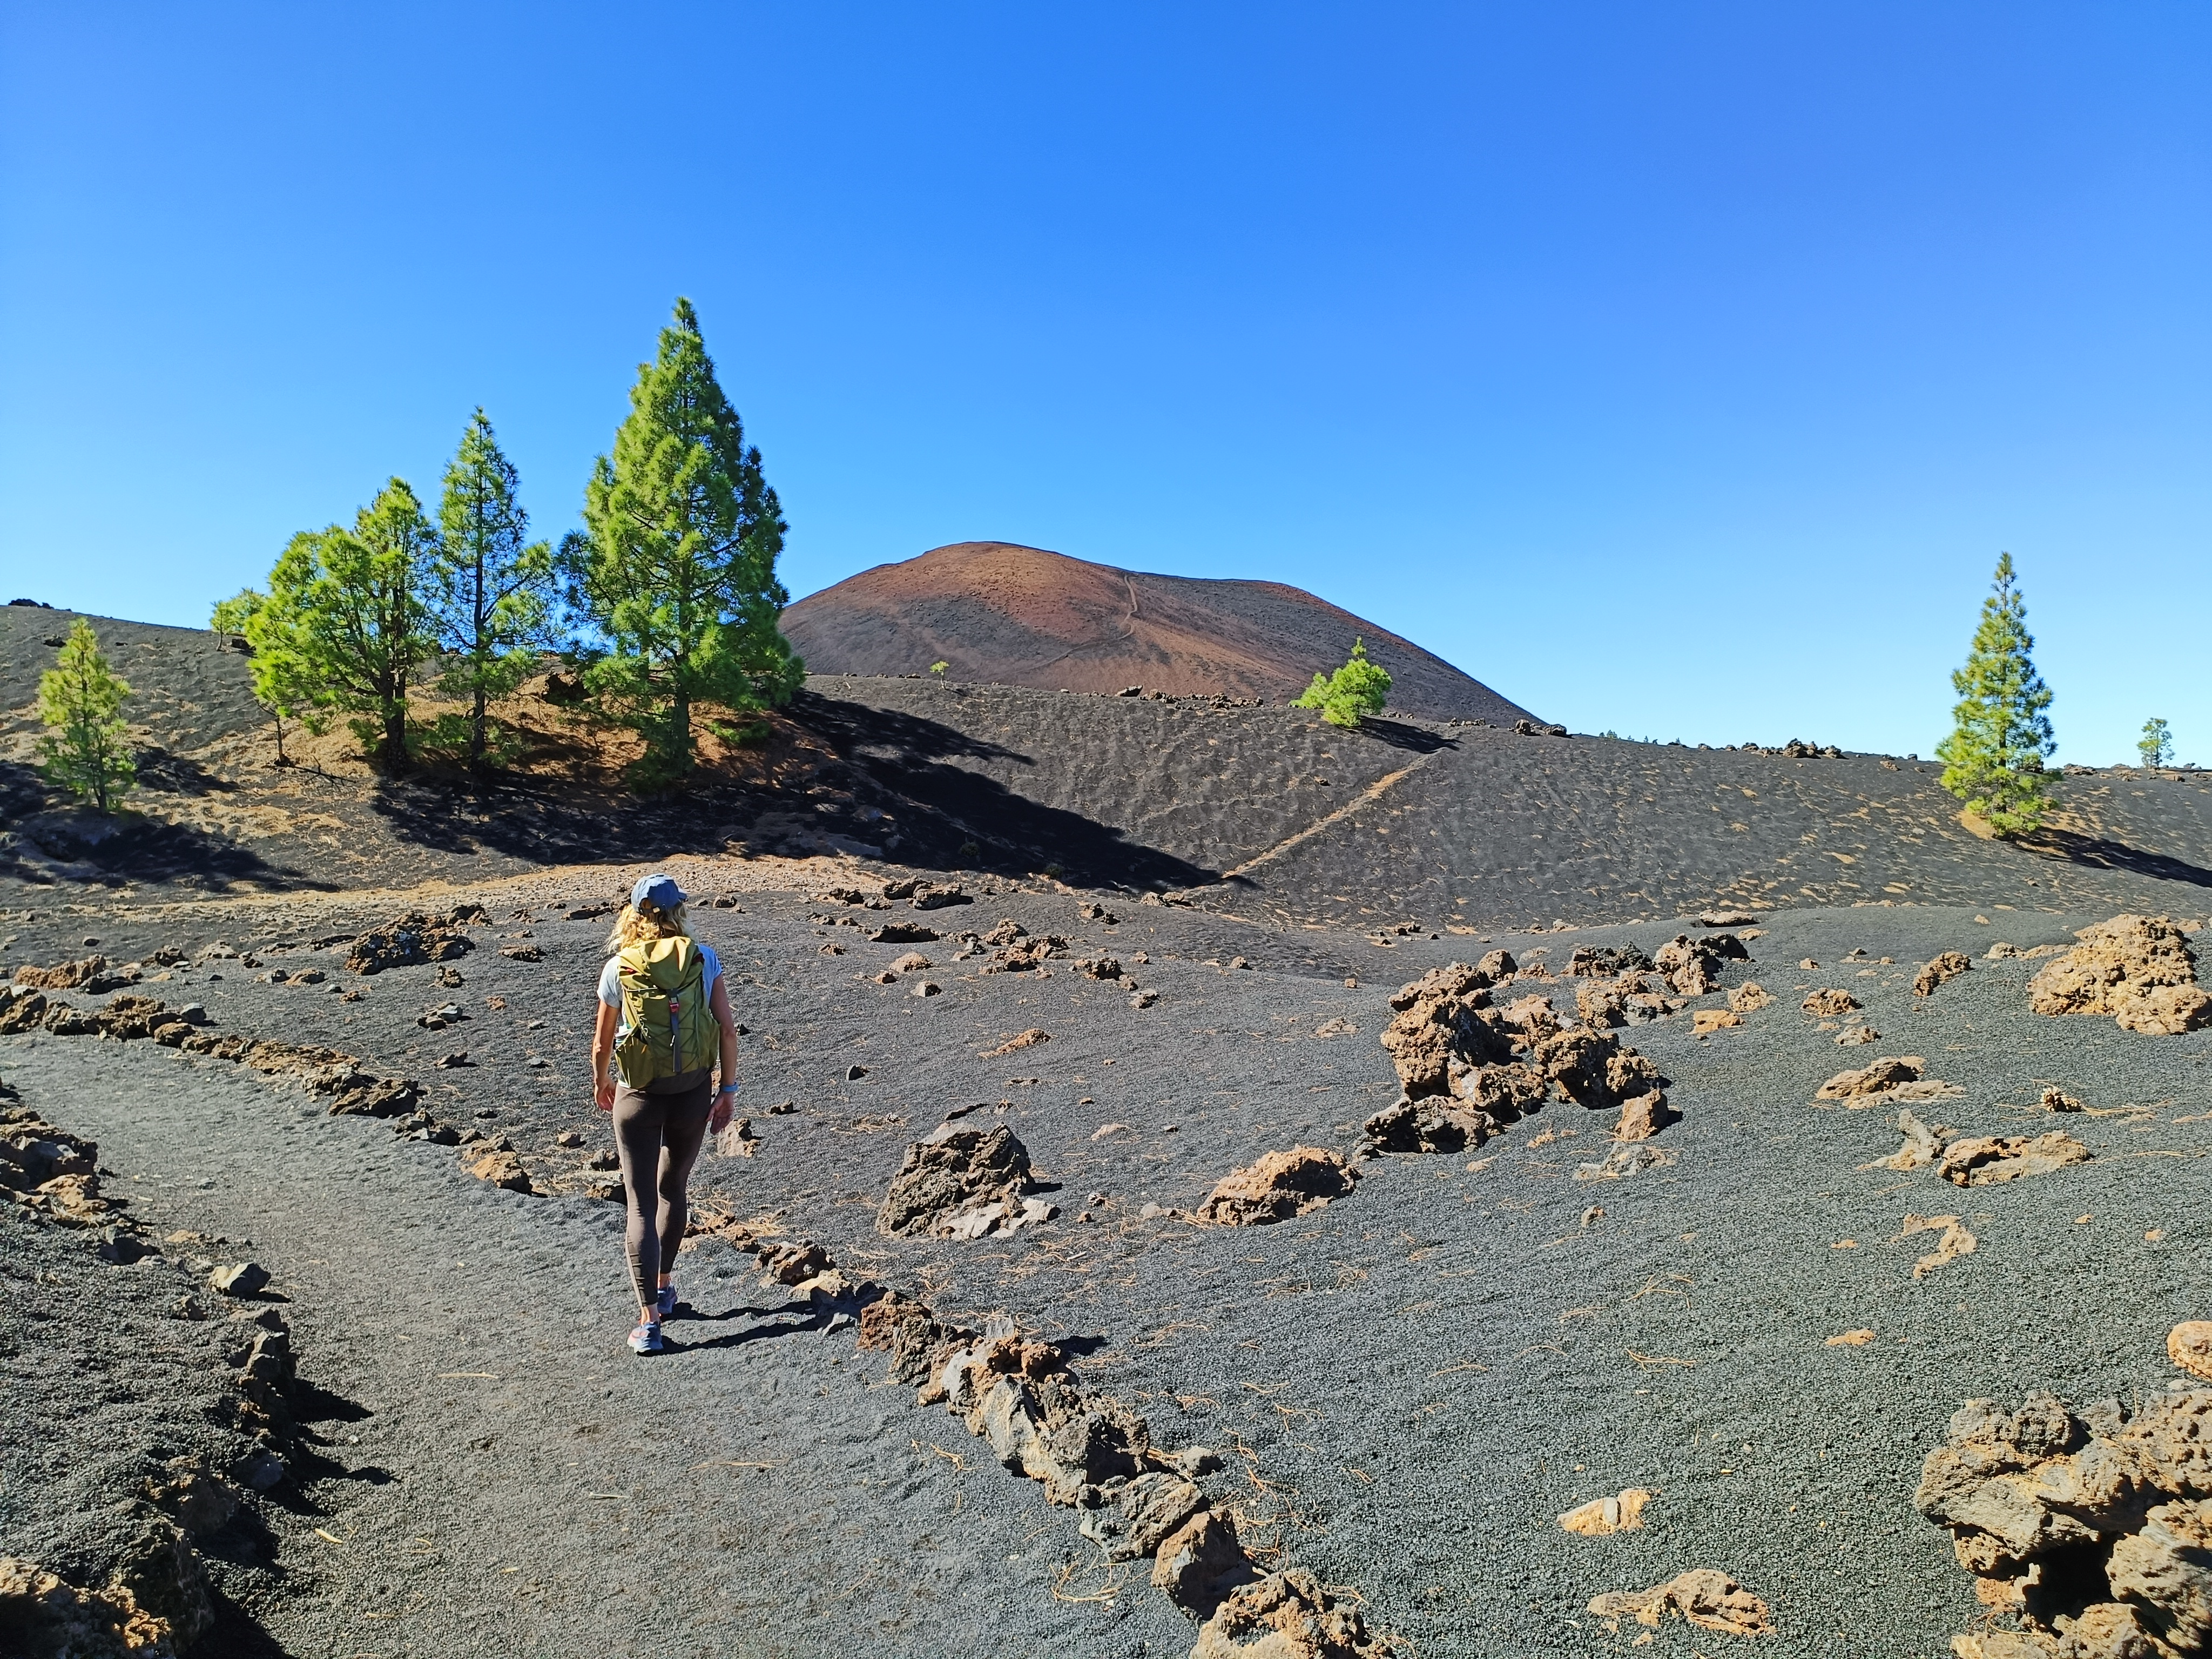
(664, 1024)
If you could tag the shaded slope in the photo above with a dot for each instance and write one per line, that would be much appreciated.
(1019, 616)
(1455, 825)
(1500, 829)
(1485, 827)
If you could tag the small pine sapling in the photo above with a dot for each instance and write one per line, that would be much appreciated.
(1354, 691)
(2155, 746)
(86, 748)
(2001, 736)
(939, 668)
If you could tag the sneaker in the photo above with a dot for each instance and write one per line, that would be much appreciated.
(646, 1339)
(665, 1304)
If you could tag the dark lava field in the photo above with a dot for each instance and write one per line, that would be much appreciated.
(413, 1427)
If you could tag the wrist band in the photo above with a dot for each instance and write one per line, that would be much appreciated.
(728, 1089)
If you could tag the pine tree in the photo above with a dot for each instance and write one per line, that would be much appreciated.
(283, 682)
(677, 567)
(489, 584)
(2155, 746)
(353, 602)
(86, 748)
(1354, 691)
(1993, 759)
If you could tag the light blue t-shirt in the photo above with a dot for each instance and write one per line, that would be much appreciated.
(710, 969)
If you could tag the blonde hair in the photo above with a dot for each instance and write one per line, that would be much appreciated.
(643, 921)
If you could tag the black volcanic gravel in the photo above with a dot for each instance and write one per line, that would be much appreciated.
(1409, 1386)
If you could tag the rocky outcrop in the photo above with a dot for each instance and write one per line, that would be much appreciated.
(1141, 1513)
(353, 1090)
(1201, 1563)
(954, 1171)
(90, 974)
(1278, 1186)
(1645, 1117)
(1987, 1160)
(1953, 1241)
(1090, 1453)
(1705, 1597)
(2092, 1530)
(2139, 969)
(1940, 970)
(1601, 1517)
(40, 1616)
(1876, 1080)
(50, 1172)
(1467, 1067)
(2188, 1344)
(1593, 1068)
(926, 895)
(1285, 1615)
(134, 1583)
(1434, 1123)
(502, 1169)
(413, 938)
(1601, 1006)
(1923, 1144)
(1829, 1003)
(1607, 961)
(1693, 966)
(1439, 1019)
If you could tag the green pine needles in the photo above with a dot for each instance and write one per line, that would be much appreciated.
(285, 683)
(675, 567)
(1354, 691)
(489, 584)
(672, 582)
(86, 748)
(2155, 746)
(361, 624)
(2001, 736)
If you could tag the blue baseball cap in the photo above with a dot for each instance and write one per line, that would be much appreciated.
(661, 891)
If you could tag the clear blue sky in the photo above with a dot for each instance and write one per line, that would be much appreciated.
(1676, 369)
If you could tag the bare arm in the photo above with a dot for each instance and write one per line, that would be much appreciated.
(719, 1119)
(603, 1055)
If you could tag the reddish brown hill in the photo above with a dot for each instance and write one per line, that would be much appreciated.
(1020, 615)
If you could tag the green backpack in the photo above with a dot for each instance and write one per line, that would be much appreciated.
(668, 1028)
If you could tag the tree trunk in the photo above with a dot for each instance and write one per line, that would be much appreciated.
(395, 739)
(476, 733)
(679, 731)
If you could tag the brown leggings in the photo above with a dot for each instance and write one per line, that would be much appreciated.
(658, 1131)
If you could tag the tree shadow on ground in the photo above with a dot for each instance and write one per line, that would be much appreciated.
(178, 774)
(1412, 739)
(135, 846)
(177, 852)
(2101, 852)
(979, 822)
(853, 729)
(23, 791)
(465, 816)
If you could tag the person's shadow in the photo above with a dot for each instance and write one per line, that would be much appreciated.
(790, 1319)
